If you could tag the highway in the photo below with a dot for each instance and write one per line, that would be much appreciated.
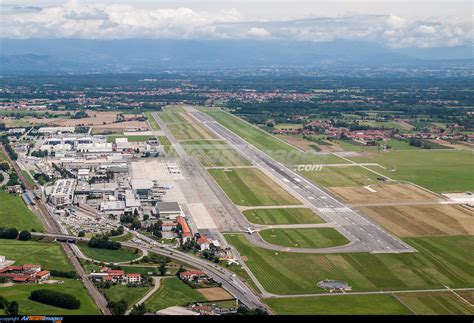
(365, 236)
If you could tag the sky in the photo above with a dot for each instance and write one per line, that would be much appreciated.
(400, 24)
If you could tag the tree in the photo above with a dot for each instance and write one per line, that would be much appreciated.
(11, 233)
(12, 308)
(24, 236)
(145, 217)
(162, 268)
(138, 309)
(3, 302)
(81, 234)
(118, 308)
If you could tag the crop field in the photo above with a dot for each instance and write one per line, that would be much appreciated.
(299, 142)
(154, 125)
(48, 255)
(189, 131)
(130, 138)
(107, 255)
(173, 292)
(131, 294)
(282, 216)
(439, 261)
(304, 238)
(341, 176)
(14, 213)
(169, 116)
(432, 169)
(288, 126)
(382, 124)
(423, 220)
(383, 193)
(337, 305)
(214, 153)
(277, 148)
(444, 303)
(215, 294)
(251, 187)
(106, 131)
(21, 292)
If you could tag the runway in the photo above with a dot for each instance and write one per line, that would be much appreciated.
(365, 236)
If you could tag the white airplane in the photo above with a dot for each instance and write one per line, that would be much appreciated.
(232, 261)
(250, 230)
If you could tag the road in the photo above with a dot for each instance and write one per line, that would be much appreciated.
(365, 236)
(156, 286)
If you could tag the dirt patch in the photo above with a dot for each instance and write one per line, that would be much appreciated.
(422, 221)
(384, 193)
(215, 294)
(244, 258)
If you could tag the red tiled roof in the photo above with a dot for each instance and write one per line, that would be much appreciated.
(42, 273)
(20, 278)
(202, 240)
(31, 266)
(133, 275)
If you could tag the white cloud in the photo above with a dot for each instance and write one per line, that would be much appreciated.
(258, 32)
(117, 21)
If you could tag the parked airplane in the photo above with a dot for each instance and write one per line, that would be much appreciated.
(232, 261)
(250, 230)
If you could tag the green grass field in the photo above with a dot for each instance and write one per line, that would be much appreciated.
(278, 149)
(154, 125)
(106, 255)
(282, 216)
(304, 238)
(48, 255)
(21, 292)
(439, 261)
(131, 294)
(28, 178)
(130, 138)
(14, 213)
(173, 292)
(214, 153)
(438, 170)
(342, 176)
(338, 305)
(190, 131)
(444, 303)
(171, 116)
(381, 124)
(164, 140)
(251, 187)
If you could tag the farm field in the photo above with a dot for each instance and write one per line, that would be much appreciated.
(304, 238)
(214, 153)
(350, 145)
(215, 294)
(432, 169)
(130, 294)
(299, 142)
(439, 261)
(21, 292)
(382, 124)
(14, 213)
(106, 255)
(282, 216)
(173, 292)
(48, 255)
(130, 138)
(383, 193)
(277, 148)
(251, 187)
(279, 126)
(188, 131)
(341, 176)
(154, 125)
(423, 220)
(445, 303)
(338, 305)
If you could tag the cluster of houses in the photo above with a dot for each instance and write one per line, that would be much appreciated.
(370, 136)
(115, 276)
(28, 273)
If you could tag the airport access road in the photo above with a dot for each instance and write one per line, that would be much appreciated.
(365, 236)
